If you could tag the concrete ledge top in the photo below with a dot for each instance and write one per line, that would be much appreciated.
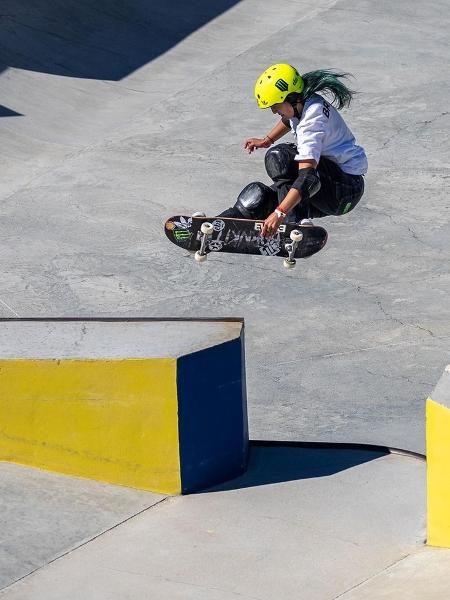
(441, 392)
(112, 338)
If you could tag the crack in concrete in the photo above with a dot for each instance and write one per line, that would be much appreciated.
(403, 225)
(9, 308)
(430, 121)
(403, 281)
(353, 351)
(181, 582)
(397, 320)
(390, 138)
(403, 323)
(409, 127)
(83, 333)
(385, 313)
(399, 377)
(354, 587)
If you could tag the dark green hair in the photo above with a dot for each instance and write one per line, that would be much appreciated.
(328, 82)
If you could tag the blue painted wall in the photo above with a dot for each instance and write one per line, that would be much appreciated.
(212, 415)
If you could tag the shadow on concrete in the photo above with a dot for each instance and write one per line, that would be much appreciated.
(105, 39)
(277, 462)
(7, 112)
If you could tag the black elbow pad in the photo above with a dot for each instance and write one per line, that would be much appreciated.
(307, 182)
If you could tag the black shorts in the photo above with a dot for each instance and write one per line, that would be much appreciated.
(339, 192)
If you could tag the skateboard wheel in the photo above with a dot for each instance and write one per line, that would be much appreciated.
(207, 228)
(296, 235)
(289, 264)
(200, 257)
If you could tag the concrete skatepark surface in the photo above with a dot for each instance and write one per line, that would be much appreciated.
(116, 116)
(93, 167)
(256, 536)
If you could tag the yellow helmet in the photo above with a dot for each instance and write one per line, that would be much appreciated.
(275, 83)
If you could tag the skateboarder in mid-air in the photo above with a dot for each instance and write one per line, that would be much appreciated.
(322, 173)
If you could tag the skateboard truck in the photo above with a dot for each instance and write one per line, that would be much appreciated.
(207, 230)
(296, 237)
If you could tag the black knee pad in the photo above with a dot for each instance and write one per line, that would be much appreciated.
(280, 163)
(256, 201)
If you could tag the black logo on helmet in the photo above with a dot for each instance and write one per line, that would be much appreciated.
(282, 85)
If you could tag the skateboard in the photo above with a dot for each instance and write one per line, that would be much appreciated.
(204, 235)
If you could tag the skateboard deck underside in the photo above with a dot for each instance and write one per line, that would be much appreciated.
(242, 236)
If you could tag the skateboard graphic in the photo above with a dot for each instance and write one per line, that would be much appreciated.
(203, 235)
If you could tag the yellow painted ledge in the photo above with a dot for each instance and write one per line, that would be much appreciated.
(438, 474)
(110, 420)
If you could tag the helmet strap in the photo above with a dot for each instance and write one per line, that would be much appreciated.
(294, 103)
(297, 114)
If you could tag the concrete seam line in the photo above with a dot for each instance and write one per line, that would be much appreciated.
(85, 542)
(357, 350)
(396, 562)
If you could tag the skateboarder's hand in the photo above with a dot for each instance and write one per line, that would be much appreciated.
(271, 225)
(255, 143)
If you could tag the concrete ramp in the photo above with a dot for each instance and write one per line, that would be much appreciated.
(47, 515)
(308, 523)
(106, 40)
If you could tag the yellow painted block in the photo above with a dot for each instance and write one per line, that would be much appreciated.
(438, 474)
(111, 420)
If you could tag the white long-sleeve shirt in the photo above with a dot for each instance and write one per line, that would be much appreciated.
(321, 131)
